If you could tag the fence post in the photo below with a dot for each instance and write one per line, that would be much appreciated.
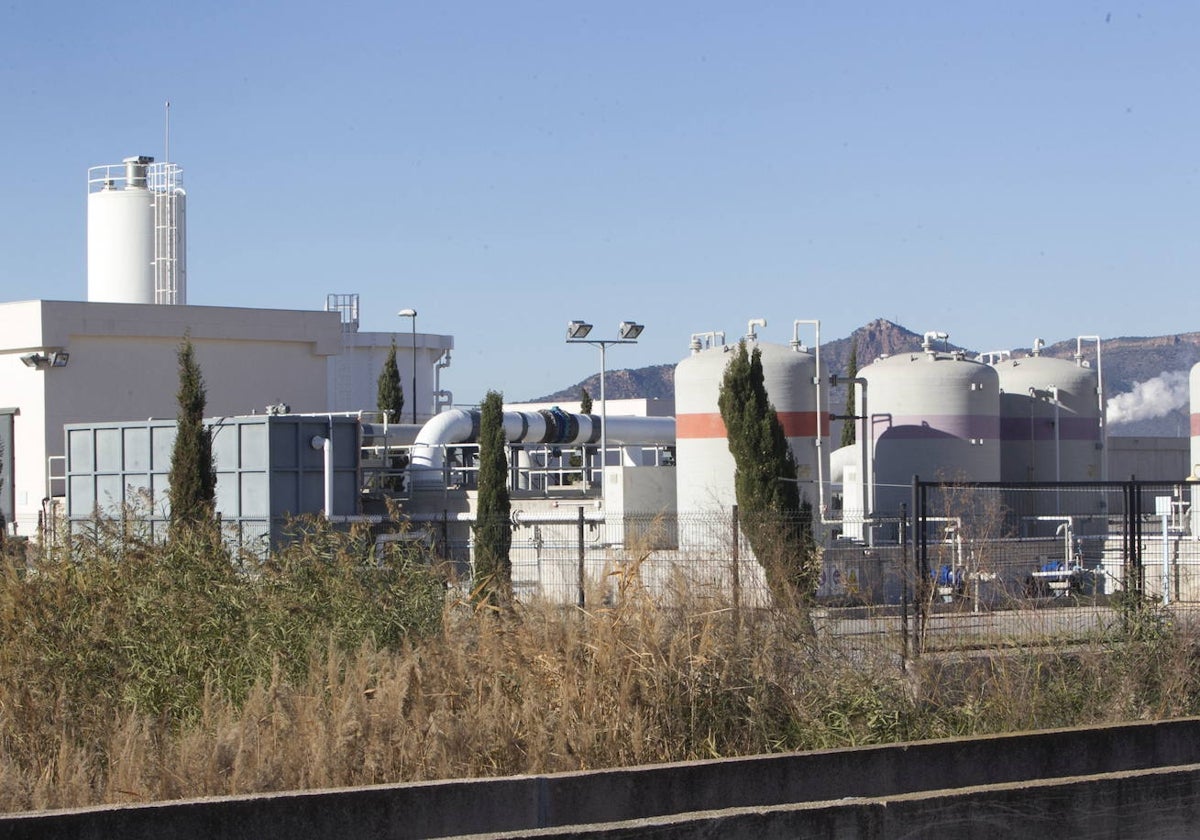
(582, 570)
(445, 547)
(904, 649)
(1136, 492)
(921, 587)
(736, 581)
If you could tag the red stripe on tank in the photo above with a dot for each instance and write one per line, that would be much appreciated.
(795, 424)
(699, 426)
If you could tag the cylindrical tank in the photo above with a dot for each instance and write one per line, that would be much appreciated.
(704, 470)
(120, 234)
(932, 414)
(1050, 423)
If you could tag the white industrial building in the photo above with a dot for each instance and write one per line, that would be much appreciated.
(114, 356)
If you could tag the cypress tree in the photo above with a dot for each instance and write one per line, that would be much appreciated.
(493, 534)
(389, 392)
(770, 510)
(585, 407)
(848, 426)
(193, 478)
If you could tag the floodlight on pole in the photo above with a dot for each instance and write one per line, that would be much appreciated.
(627, 332)
(43, 359)
(578, 329)
(630, 330)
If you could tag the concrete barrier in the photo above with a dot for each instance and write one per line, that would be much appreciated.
(1143, 804)
(524, 803)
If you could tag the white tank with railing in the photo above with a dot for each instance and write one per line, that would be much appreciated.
(137, 233)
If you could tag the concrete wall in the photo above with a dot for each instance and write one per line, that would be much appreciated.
(1149, 458)
(1146, 805)
(761, 797)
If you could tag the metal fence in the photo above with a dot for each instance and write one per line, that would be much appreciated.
(965, 564)
(1072, 538)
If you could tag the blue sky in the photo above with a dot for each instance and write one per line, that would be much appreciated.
(999, 171)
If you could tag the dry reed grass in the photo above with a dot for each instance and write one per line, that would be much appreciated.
(531, 688)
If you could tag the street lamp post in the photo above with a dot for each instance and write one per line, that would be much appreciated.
(412, 313)
(627, 333)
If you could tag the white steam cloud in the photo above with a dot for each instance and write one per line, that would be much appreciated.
(1152, 398)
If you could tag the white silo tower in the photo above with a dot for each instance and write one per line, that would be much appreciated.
(704, 466)
(1051, 427)
(932, 414)
(137, 233)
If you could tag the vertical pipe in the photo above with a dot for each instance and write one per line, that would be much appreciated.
(1166, 562)
(867, 476)
(1031, 469)
(414, 370)
(816, 381)
(1100, 406)
(328, 447)
(603, 438)
(1057, 435)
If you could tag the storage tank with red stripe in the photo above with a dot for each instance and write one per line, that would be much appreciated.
(704, 466)
(935, 414)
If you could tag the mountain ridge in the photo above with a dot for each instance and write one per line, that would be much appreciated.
(1145, 377)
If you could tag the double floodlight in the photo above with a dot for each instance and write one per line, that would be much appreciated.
(627, 331)
(51, 358)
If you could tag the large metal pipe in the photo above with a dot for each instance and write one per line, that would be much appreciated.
(553, 427)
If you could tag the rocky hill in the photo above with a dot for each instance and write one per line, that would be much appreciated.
(1146, 378)
(652, 381)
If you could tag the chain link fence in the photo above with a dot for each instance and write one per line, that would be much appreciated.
(964, 565)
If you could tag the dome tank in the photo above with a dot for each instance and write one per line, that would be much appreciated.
(932, 414)
(1050, 422)
(704, 466)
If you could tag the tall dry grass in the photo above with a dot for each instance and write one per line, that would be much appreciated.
(278, 681)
